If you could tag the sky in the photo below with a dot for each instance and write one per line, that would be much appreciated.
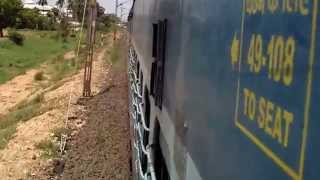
(109, 5)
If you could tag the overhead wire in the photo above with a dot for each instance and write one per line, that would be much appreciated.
(64, 136)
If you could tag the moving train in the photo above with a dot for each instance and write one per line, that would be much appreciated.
(225, 89)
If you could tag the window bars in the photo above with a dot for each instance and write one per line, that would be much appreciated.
(139, 122)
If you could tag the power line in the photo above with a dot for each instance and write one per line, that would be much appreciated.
(117, 5)
(64, 136)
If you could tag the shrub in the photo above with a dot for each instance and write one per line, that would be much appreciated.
(38, 99)
(49, 148)
(32, 19)
(43, 35)
(64, 29)
(115, 52)
(58, 132)
(6, 44)
(39, 76)
(55, 36)
(16, 37)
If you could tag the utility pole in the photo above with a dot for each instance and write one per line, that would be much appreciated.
(121, 13)
(117, 5)
(116, 8)
(91, 32)
(116, 15)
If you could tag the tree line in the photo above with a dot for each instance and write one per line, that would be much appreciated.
(13, 15)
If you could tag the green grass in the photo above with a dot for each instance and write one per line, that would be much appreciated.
(57, 132)
(6, 134)
(22, 112)
(115, 52)
(48, 148)
(59, 68)
(38, 48)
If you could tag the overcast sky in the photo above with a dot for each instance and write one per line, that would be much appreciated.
(109, 5)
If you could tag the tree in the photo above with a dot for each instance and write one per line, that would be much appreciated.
(77, 7)
(32, 19)
(8, 13)
(28, 18)
(43, 2)
(109, 21)
(60, 3)
(55, 12)
(101, 10)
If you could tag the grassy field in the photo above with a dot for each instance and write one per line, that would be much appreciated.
(38, 48)
(23, 112)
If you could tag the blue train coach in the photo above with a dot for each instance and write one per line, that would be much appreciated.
(225, 89)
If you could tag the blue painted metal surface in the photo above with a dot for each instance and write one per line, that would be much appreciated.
(243, 79)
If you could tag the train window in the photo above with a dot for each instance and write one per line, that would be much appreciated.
(155, 40)
(152, 79)
(146, 115)
(157, 71)
(141, 81)
(160, 166)
(138, 68)
(147, 106)
(144, 160)
(161, 62)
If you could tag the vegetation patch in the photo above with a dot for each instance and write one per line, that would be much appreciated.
(6, 134)
(49, 148)
(16, 37)
(60, 68)
(115, 52)
(61, 131)
(39, 76)
(38, 47)
(22, 112)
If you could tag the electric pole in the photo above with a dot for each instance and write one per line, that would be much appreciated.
(116, 8)
(121, 12)
(91, 32)
(117, 5)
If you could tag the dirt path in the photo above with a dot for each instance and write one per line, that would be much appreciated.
(20, 159)
(98, 147)
(20, 156)
(16, 90)
(100, 150)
